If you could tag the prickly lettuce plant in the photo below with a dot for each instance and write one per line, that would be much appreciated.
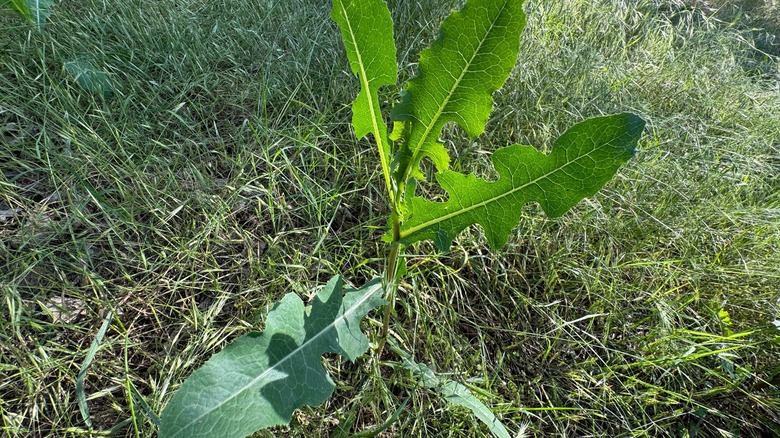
(260, 379)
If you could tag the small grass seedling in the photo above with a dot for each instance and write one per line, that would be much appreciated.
(260, 379)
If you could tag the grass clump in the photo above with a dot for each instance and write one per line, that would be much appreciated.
(222, 174)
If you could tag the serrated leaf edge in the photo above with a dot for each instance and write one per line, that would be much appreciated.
(414, 162)
(405, 233)
(379, 128)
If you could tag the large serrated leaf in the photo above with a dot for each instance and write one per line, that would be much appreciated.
(582, 160)
(367, 31)
(261, 378)
(473, 56)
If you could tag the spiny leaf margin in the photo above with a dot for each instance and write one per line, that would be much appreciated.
(476, 50)
(367, 31)
(260, 379)
(582, 160)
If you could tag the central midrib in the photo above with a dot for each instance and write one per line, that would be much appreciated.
(424, 225)
(436, 117)
(375, 126)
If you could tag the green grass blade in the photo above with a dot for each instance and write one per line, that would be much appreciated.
(143, 404)
(367, 31)
(582, 160)
(81, 396)
(260, 379)
(118, 428)
(458, 74)
(384, 426)
(19, 6)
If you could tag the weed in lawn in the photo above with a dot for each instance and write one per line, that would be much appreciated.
(259, 380)
(220, 225)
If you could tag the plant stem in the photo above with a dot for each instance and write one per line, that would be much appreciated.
(391, 269)
(390, 280)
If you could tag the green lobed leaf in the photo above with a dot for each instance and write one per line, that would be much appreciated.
(473, 56)
(367, 31)
(260, 379)
(453, 392)
(582, 160)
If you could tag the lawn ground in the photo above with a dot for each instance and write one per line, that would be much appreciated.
(222, 173)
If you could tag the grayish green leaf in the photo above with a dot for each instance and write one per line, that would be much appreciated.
(260, 379)
(39, 11)
(90, 78)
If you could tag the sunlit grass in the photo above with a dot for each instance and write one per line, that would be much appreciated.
(223, 174)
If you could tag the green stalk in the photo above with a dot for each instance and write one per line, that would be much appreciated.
(390, 280)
